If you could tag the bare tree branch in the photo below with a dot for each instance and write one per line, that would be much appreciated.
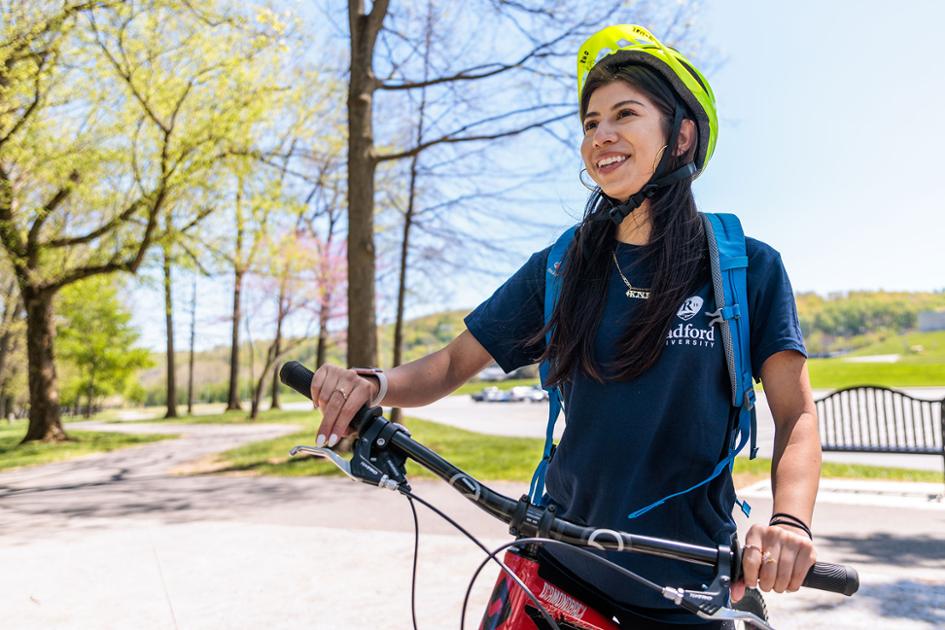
(481, 71)
(453, 139)
(105, 228)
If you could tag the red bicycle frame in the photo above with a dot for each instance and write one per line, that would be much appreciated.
(511, 609)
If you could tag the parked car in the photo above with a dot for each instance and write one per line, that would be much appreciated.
(492, 373)
(529, 393)
(523, 393)
(492, 394)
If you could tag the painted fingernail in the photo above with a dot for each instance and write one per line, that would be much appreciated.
(320, 441)
(332, 440)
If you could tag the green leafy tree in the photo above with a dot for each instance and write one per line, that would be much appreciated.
(97, 341)
(110, 112)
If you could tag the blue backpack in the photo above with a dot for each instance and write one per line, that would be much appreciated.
(728, 261)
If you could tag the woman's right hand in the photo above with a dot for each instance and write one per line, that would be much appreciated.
(339, 393)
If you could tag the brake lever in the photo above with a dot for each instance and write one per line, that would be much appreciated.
(372, 461)
(710, 603)
(724, 614)
(326, 453)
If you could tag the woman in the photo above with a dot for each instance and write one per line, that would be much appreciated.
(646, 416)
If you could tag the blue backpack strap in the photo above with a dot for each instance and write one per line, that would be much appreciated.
(728, 261)
(556, 254)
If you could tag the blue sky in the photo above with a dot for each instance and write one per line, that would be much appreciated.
(829, 150)
(831, 138)
(831, 131)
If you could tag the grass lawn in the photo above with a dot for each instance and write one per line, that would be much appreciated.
(277, 416)
(837, 373)
(12, 455)
(477, 386)
(156, 414)
(914, 347)
(824, 374)
(757, 469)
(486, 457)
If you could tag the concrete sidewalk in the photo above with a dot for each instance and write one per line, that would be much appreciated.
(115, 541)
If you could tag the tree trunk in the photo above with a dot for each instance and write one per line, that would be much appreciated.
(45, 423)
(5, 349)
(193, 336)
(233, 398)
(169, 328)
(275, 388)
(257, 396)
(89, 397)
(362, 326)
(11, 312)
(322, 347)
(277, 343)
(396, 413)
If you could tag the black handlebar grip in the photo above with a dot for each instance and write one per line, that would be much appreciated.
(298, 377)
(835, 578)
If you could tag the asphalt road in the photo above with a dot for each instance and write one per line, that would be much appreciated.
(117, 541)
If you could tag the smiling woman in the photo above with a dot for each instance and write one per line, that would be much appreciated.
(621, 147)
(627, 334)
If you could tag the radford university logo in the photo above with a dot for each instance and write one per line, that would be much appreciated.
(688, 334)
(690, 308)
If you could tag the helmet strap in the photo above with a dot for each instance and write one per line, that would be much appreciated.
(678, 114)
(620, 211)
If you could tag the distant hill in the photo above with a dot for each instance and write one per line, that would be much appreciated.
(854, 324)
(914, 347)
(856, 320)
(422, 336)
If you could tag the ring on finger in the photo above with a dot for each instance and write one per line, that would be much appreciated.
(766, 558)
(755, 547)
(343, 393)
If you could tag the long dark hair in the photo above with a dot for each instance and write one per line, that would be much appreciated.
(677, 249)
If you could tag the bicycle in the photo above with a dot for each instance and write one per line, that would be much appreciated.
(521, 599)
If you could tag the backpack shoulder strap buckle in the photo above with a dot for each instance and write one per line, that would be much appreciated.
(724, 314)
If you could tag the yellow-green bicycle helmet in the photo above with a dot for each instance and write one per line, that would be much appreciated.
(635, 44)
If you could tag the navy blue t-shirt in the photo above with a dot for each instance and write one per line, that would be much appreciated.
(628, 444)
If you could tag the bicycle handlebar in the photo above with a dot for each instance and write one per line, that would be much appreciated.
(528, 520)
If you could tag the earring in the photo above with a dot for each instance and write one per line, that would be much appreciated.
(659, 156)
(591, 188)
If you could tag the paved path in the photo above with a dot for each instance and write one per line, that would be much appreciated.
(115, 541)
(529, 420)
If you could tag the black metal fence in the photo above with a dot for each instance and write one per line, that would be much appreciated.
(873, 419)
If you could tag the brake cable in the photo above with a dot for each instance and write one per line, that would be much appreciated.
(491, 556)
(416, 554)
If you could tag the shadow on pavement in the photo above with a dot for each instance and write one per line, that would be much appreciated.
(914, 600)
(910, 599)
(914, 550)
(168, 499)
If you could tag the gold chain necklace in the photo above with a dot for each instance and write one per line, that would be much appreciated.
(632, 291)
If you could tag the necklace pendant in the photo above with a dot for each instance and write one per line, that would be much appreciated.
(638, 294)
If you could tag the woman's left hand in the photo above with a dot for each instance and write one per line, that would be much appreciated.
(774, 557)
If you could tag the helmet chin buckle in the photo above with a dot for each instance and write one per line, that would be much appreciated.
(621, 211)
